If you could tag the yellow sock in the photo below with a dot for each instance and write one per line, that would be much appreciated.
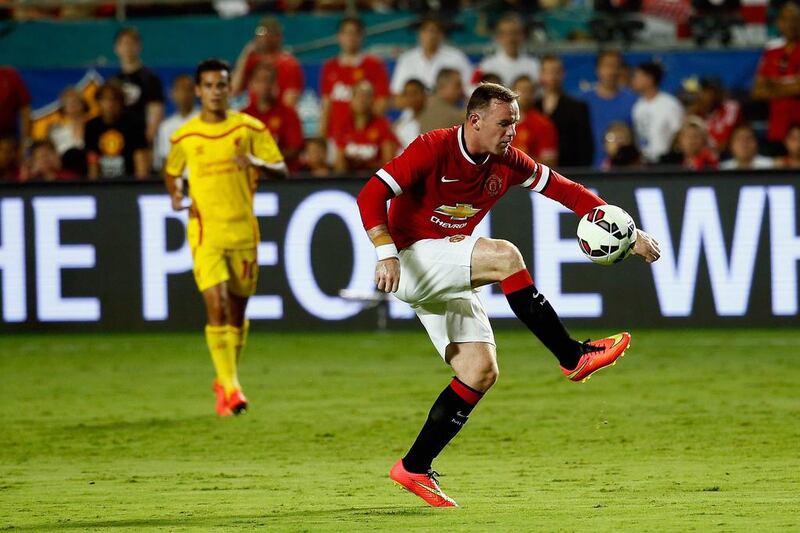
(237, 337)
(223, 354)
(240, 338)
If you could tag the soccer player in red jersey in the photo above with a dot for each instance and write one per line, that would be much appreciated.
(341, 74)
(441, 186)
(368, 141)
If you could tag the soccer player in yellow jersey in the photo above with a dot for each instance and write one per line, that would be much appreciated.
(224, 152)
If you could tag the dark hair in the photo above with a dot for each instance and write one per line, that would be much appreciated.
(211, 65)
(792, 126)
(350, 20)
(652, 69)
(42, 143)
(114, 87)
(551, 57)
(446, 73)
(417, 83)
(745, 126)
(483, 95)
(180, 77)
(128, 30)
(608, 52)
(524, 77)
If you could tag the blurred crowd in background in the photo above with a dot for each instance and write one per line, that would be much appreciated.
(368, 114)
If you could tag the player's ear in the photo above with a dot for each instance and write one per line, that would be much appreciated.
(474, 120)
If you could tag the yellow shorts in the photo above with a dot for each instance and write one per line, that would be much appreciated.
(212, 266)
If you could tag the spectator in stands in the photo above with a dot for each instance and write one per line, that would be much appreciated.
(281, 120)
(536, 134)
(792, 145)
(721, 114)
(407, 127)
(657, 115)
(144, 94)
(341, 73)
(608, 101)
(115, 143)
(443, 108)
(267, 46)
(9, 159)
(426, 60)
(778, 76)
(369, 143)
(570, 116)
(510, 61)
(183, 98)
(691, 149)
(619, 148)
(44, 164)
(15, 110)
(744, 151)
(315, 158)
(67, 133)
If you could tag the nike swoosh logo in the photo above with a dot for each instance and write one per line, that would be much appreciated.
(445, 180)
(429, 489)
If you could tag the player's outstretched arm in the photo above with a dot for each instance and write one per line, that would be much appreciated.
(646, 247)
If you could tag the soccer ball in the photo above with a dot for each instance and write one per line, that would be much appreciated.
(606, 234)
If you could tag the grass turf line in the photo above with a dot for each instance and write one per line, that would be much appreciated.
(693, 430)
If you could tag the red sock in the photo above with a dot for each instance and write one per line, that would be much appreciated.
(516, 282)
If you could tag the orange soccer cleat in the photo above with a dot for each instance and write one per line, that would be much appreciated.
(426, 486)
(599, 354)
(221, 406)
(237, 402)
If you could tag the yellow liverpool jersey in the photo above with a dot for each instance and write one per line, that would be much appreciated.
(221, 192)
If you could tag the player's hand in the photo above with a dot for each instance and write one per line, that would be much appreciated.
(177, 201)
(387, 274)
(646, 247)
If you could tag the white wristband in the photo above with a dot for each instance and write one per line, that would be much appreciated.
(386, 251)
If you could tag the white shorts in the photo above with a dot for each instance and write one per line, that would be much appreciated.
(435, 279)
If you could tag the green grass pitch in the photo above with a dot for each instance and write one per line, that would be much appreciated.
(693, 430)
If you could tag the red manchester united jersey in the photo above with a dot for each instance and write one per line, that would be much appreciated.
(440, 191)
(362, 147)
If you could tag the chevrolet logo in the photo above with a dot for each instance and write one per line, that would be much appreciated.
(457, 212)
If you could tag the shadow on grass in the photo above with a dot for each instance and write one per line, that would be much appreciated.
(232, 521)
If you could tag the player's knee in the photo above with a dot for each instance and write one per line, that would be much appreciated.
(487, 376)
(509, 258)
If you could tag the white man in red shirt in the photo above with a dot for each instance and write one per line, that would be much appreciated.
(441, 186)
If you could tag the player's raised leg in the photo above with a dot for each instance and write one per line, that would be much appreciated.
(475, 366)
(500, 261)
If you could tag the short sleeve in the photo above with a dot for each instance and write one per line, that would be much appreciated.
(293, 76)
(548, 140)
(176, 160)
(264, 147)
(413, 164)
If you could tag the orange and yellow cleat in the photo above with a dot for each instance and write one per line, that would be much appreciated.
(221, 406)
(600, 354)
(235, 404)
(426, 486)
